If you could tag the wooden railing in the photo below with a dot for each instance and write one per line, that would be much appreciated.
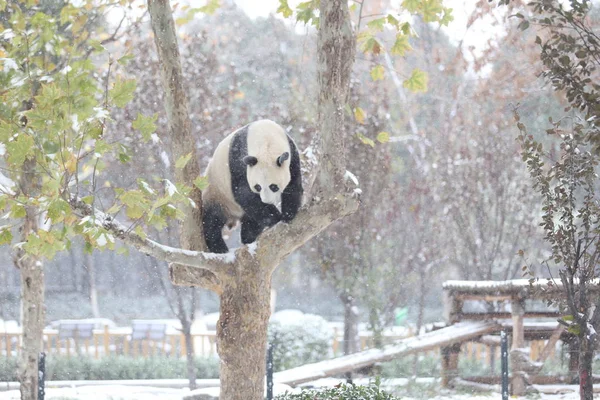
(118, 342)
(113, 342)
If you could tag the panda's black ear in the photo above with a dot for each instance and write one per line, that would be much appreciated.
(282, 158)
(250, 161)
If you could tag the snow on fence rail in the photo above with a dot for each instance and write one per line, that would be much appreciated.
(456, 333)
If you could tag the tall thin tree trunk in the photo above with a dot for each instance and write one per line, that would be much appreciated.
(186, 326)
(33, 313)
(91, 270)
(189, 353)
(351, 339)
(242, 333)
(420, 316)
(586, 358)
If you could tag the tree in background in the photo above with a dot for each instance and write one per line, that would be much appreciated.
(46, 115)
(567, 177)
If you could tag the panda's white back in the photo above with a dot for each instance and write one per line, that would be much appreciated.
(218, 172)
(267, 140)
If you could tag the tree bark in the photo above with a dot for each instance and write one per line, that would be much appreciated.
(186, 326)
(336, 47)
(91, 270)
(586, 358)
(182, 141)
(242, 331)
(33, 311)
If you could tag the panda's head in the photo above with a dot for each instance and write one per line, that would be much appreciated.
(268, 175)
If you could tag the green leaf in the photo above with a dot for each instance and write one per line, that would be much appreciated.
(183, 160)
(125, 59)
(122, 92)
(58, 209)
(393, 21)
(17, 211)
(376, 25)
(369, 43)
(201, 182)
(5, 236)
(412, 6)
(136, 203)
(145, 125)
(365, 139)
(284, 9)
(20, 149)
(211, 7)
(359, 115)
(378, 73)
(124, 156)
(431, 10)
(447, 17)
(101, 147)
(383, 137)
(401, 45)
(523, 25)
(417, 81)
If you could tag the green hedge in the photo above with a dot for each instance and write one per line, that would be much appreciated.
(113, 368)
(341, 392)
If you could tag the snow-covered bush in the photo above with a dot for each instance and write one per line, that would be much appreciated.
(341, 392)
(299, 339)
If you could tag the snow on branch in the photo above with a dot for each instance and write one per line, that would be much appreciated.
(276, 243)
(215, 263)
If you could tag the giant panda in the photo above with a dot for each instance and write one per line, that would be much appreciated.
(253, 177)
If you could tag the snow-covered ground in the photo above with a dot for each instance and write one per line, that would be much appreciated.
(149, 393)
(121, 392)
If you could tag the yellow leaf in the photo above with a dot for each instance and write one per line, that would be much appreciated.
(71, 164)
(378, 73)
(359, 115)
(383, 137)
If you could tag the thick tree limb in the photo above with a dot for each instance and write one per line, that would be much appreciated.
(278, 242)
(217, 264)
(336, 45)
(181, 139)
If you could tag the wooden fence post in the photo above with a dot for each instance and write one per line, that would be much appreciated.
(106, 341)
(517, 362)
(450, 363)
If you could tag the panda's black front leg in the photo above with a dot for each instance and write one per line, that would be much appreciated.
(212, 223)
(250, 230)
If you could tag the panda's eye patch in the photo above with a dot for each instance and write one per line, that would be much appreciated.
(274, 188)
(257, 188)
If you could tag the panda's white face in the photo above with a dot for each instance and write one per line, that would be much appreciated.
(268, 177)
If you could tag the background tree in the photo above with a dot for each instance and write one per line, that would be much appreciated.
(567, 178)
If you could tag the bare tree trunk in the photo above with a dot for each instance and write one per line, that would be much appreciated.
(91, 270)
(33, 312)
(242, 333)
(182, 141)
(420, 315)
(186, 326)
(351, 338)
(586, 358)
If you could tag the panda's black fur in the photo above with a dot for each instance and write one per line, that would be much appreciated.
(257, 215)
